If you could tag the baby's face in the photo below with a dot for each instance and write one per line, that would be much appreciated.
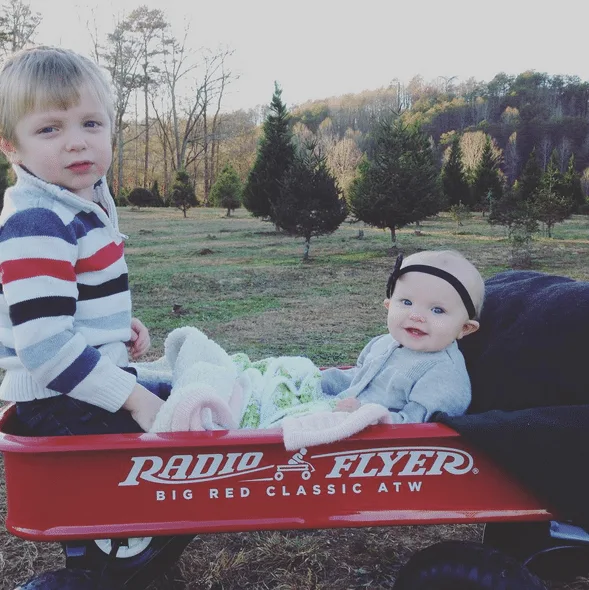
(426, 313)
(67, 147)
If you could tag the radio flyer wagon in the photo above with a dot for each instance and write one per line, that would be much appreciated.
(125, 506)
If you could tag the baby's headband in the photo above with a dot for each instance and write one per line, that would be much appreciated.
(437, 272)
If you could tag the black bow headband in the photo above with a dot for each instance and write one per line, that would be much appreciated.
(431, 270)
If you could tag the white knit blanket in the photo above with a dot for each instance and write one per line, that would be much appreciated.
(214, 390)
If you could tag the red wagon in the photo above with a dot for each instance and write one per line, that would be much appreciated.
(126, 505)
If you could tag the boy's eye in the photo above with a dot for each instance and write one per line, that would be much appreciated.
(92, 124)
(438, 310)
(48, 129)
(406, 302)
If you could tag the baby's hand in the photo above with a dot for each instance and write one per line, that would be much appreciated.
(140, 341)
(349, 404)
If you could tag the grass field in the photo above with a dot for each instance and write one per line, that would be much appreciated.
(246, 287)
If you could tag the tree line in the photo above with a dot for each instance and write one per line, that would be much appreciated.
(400, 179)
(175, 145)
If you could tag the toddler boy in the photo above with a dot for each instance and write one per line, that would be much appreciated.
(65, 305)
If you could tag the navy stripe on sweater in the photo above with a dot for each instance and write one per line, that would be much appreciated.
(112, 287)
(35, 223)
(71, 377)
(89, 221)
(41, 307)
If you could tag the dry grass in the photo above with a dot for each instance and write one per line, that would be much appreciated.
(246, 287)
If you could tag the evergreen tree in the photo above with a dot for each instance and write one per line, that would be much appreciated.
(552, 179)
(551, 201)
(529, 181)
(515, 209)
(157, 197)
(4, 181)
(183, 195)
(454, 184)
(520, 216)
(310, 202)
(274, 156)
(121, 199)
(399, 183)
(487, 187)
(572, 186)
(552, 208)
(226, 192)
(141, 197)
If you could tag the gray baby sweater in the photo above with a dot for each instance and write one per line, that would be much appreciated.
(412, 385)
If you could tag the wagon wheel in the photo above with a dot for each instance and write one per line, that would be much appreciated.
(461, 565)
(532, 544)
(132, 562)
(69, 579)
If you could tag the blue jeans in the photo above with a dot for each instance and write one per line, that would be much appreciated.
(63, 415)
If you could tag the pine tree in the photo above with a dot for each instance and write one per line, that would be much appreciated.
(529, 181)
(183, 195)
(515, 209)
(552, 202)
(454, 184)
(310, 202)
(275, 155)
(572, 186)
(552, 208)
(487, 187)
(552, 178)
(226, 192)
(399, 183)
(141, 197)
(157, 197)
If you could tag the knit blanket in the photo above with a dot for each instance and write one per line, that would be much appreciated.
(530, 386)
(212, 389)
(531, 349)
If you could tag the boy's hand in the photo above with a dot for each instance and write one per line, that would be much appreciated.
(143, 406)
(140, 341)
(349, 404)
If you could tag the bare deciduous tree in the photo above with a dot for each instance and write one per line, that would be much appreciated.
(188, 130)
(472, 144)
(342, 155)
(18, 24)
(511, 158)
(177, 124)
(120, 56)
(147, 25)
(214, 82)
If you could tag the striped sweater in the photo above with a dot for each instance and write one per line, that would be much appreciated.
(65, 305)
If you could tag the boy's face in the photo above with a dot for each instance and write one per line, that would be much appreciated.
(69, 148)
(426, 313)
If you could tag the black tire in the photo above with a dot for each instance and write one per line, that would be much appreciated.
(462, 565)
(519, 539)
(133, 572)
(531, 544)
(69, 579)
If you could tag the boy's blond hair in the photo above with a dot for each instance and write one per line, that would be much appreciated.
(45, 78)
(456, 264)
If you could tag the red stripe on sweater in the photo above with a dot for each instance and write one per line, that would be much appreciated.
(26, 268)
(101, 259)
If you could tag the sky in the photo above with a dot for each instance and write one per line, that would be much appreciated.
(321, 48)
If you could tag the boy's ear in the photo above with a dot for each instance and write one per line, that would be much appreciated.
(387, 302)
(7, 149)
(468, 328)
